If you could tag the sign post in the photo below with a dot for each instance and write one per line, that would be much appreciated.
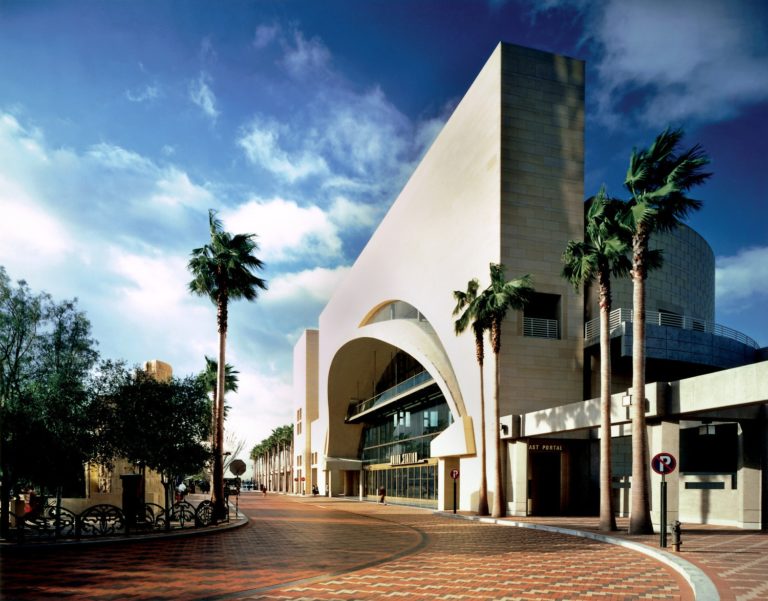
(237, 467)
(455, 476)
(663, 463)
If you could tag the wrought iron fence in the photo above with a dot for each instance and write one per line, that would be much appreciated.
(103, 520)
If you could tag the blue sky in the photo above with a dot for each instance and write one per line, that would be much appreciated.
(121, 123)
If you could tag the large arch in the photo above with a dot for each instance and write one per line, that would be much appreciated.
(360, 361)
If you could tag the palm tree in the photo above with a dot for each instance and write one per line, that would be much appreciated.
(602, 254)
(223, 270)
(210, 377)
(657, 179)
(493, 304)
(286, 437)
(467, 305)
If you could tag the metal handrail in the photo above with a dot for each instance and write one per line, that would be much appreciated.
(390, 393)
(538, 327)
(660, 318)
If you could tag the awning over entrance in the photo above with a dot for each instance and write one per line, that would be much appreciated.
(342, 463)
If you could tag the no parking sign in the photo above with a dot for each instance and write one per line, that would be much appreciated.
(663, 463)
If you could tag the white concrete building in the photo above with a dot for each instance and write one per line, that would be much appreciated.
(387, 395)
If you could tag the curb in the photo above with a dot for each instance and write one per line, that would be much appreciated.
(703, 588)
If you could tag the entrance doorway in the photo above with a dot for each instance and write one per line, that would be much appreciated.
(546, 490)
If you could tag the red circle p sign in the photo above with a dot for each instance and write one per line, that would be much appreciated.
(663, 463)
(455, 474)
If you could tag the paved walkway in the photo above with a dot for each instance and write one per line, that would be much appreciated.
(316, 548)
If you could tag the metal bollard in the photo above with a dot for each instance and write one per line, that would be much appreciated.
(677, 536)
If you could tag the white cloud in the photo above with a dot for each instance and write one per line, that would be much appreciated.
(174, 189)
(351, 140)
(694, 59)
(316, 284)
(365, 133)
(742, 280)
(115, 157)
(155, 284)
(260, 141)
(202, 95)
(680, 60)
(285, 230)
(15, 138)
(348, 214)
(145, 94)
(28, 233)
(306, 56)
(265, 35)
(264, 402)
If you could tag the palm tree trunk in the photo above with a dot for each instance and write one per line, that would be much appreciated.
(219, 508)
(482, 503)
(640, 513)
(607, 516)
(499, 503)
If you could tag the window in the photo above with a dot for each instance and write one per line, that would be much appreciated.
(709, 448)
(541, 317)
(430, 419)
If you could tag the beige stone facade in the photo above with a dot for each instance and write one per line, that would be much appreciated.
(387, 396)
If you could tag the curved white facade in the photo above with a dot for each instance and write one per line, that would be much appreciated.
(502, 183)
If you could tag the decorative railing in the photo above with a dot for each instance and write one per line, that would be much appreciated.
(537, 327)
(660, 318)
(52, 523)
(356, 408)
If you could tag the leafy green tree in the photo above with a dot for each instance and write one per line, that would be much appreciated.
(21, 313)
(49, 419)
(494, 303)
(657, 179)
(467, 305)
(224, 270)
(601, 255)
(64, 355)
(171, 436)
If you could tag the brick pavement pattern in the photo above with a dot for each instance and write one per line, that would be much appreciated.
(316, 548)
(735, 560)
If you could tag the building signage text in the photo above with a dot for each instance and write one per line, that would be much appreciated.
(545, 447)
(403, 458)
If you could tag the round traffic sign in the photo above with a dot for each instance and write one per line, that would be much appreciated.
(454, 474)
(237, 467)
(663, 463)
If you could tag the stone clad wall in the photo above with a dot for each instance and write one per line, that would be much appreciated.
(542, 196)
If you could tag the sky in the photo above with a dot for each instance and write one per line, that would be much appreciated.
(123, 122)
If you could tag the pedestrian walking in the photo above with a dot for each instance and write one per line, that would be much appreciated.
(382, 494)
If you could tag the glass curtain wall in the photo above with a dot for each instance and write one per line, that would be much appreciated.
(405, 430)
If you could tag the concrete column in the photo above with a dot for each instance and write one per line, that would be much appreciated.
(665, 437)
(749, 476)
(517, 489)
(445, 484)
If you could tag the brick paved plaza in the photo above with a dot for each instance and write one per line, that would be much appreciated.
(316, 548)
